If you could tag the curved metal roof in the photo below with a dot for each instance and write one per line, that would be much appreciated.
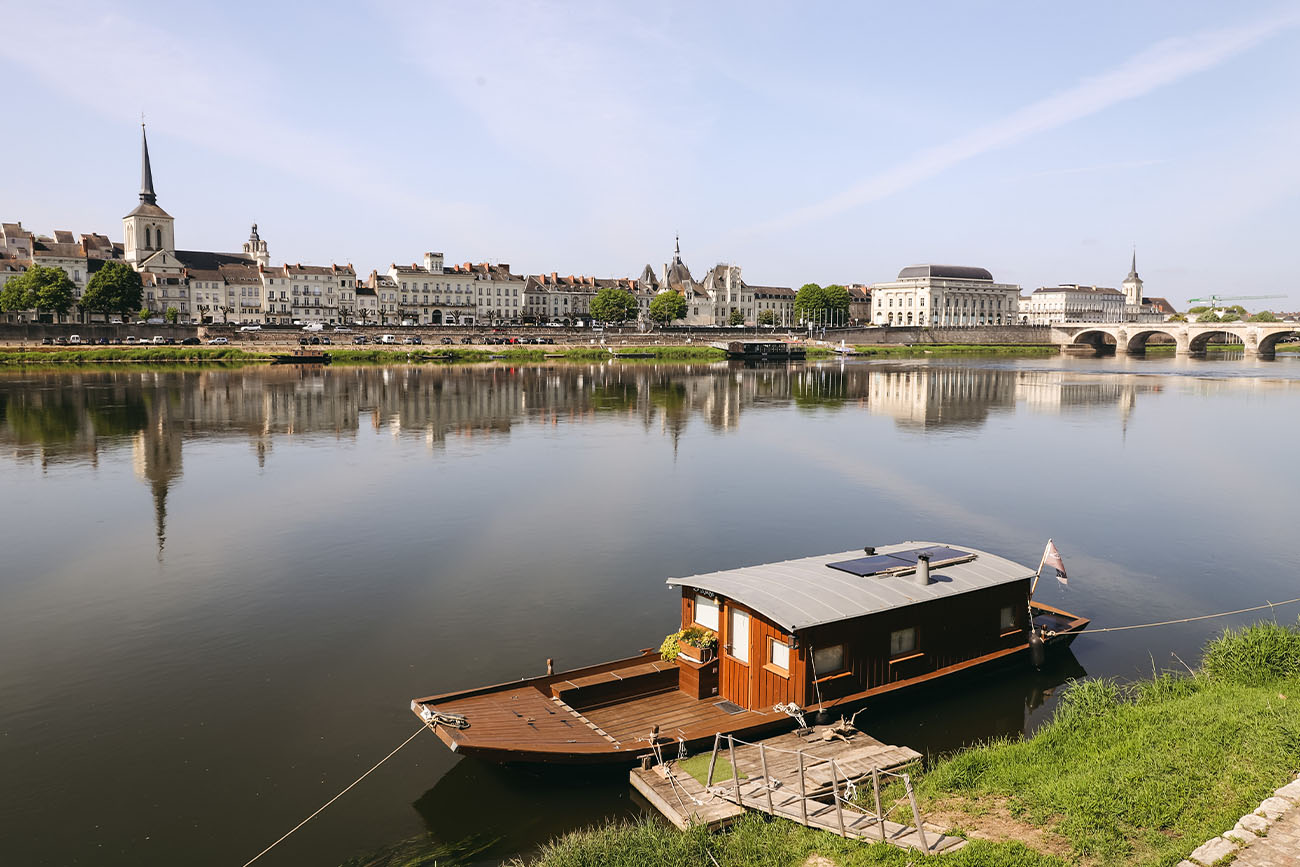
(798, 594)
(957, 272)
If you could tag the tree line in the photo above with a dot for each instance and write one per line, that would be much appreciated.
(114, 288)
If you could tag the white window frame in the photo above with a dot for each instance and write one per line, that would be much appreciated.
(778, 653)
(710, 619)
(735, 619)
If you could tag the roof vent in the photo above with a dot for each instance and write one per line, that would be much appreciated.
(923, 568)
(869, 550)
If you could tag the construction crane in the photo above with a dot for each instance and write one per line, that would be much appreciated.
(1214, 300)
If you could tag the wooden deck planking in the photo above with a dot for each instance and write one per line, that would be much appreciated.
(684, 800)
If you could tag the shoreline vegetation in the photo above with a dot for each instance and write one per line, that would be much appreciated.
(1134, 773)
(461, 354)
(438, 354)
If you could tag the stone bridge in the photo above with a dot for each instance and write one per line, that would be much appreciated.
(1258, 339)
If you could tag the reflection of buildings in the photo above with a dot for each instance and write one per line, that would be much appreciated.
(73, 418)
(156, 458)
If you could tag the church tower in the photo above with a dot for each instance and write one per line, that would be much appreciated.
(255, 249)
(148, 228)
(1133, 285)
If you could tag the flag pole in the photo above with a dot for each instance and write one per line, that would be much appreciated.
(1038, 573)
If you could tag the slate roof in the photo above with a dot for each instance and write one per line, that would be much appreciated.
(798, 594)
(1071, 287)
(956, 272)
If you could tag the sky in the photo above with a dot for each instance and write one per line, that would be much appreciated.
(804, 142)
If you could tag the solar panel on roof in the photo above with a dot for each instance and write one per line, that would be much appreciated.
(901, 561)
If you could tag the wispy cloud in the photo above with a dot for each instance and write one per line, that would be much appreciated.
(1164, 63)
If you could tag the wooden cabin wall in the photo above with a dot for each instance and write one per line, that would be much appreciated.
(754, 684)
(948, 631)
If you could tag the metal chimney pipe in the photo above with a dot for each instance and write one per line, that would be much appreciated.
(923, 569)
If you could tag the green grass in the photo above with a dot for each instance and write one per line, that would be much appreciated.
(944, 349)
(698, 767)
(1131, 774)
(154, 354)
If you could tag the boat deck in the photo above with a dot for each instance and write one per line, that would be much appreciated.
(677, 714)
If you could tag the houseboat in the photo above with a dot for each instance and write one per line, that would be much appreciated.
(762, 350)
(302, 356)
(776, 642)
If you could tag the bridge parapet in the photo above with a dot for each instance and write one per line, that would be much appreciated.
(1258, 339)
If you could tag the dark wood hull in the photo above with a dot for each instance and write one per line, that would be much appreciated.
(528, 721)
(314, 358)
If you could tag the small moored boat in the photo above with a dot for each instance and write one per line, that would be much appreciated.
(302, 356)
(780, 640)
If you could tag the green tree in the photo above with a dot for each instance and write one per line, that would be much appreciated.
(1178, 317)
(114, 288)
(613, 305)
(144, 314)
(737, 318)
(1264, 316)
(822, 303)
(1208, 317)
(1199, 309)
(667, 307)
(16, 295)
(42, 288)
(767, 317)
(1230, 316)
(172, 315)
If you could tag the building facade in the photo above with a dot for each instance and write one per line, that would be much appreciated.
(1071, 302)
(944, 296)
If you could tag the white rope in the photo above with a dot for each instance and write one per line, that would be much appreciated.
(1189, 619)
(335, 798)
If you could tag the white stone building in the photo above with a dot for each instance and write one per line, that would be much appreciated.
(944, 296)
(720, 295)
(1071, 302)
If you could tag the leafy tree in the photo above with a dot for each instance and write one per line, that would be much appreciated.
(613, 305)
(144, 314)
(1230, 316)
(666, 307)
(823, 303)
(1178, 317)
(1264, 316)
(42, 288)
(16, 295)
(1199, 309)
(172, 315)
(767, 317)
(1208, 317)
(737, 318)
(114, 288)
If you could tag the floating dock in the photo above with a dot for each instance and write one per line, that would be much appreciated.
(802, 776)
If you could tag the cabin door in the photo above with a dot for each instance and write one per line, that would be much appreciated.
(734, 676)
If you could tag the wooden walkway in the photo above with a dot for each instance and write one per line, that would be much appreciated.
(771, 783)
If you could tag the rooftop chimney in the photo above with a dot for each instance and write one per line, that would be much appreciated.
(923, 569)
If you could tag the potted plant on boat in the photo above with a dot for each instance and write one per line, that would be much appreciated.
(694, 643)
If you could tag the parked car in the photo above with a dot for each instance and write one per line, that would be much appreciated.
(60, 341)
(190, 341)
(115, 341)
(324, 340)
(47, 341)
(74, 340)
(360, 340)
(412, 339)
(313, 326)
(219, 341)
(446, 341)
(386, 338)
(467, 340)
(131, 339)
(159, 340)
(408, 322)
(302, 341)
(339, 329)
(250, 328)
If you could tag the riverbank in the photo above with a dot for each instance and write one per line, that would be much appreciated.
(464, 354)
(1140, 773)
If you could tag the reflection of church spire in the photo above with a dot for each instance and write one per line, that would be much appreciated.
(160, 514)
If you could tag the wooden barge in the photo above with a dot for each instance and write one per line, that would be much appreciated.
(302, 356)
(762, 350)
(814, 634)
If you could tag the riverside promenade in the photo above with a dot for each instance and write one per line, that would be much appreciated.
(1267, 837)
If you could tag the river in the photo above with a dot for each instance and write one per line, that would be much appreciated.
(221, 587)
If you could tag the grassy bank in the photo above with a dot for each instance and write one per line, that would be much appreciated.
(115, 354)
(955, 349)
(377, 355)
(1137, 774)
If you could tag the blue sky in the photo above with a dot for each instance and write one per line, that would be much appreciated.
(826, 142)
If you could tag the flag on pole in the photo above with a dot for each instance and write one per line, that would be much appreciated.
(1052, 557)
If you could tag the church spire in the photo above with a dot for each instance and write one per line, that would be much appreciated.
(677, 249)
(1133, 269)
(147, 195)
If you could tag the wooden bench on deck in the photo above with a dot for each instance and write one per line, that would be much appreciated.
(596, 690)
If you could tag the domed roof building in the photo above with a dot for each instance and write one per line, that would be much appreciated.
(930, 296)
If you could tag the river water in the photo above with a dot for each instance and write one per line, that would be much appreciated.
(220, 588)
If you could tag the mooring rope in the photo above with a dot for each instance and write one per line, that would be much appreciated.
(335, 798)
(1189, 619)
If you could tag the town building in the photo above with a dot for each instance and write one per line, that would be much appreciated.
(1138, 308)
(859, 303)
(1071, 302)
(721, 295)
(945, 296)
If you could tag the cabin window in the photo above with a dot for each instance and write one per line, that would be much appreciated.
(706, 612)
(902, 641)
(1008, 619)
(738, 635)
(779, 653)
(828, 660)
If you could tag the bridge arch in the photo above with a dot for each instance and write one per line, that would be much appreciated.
(1102, 341)
(1268, 343)
(1200, 343)
(1137, 341)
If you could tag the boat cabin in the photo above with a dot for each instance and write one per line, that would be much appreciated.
(817, 629)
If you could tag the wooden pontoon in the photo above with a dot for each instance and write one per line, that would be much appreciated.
(762, 350)
(816, 634)
(302, 356)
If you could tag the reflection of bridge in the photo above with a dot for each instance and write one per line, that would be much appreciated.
(1257, 339)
